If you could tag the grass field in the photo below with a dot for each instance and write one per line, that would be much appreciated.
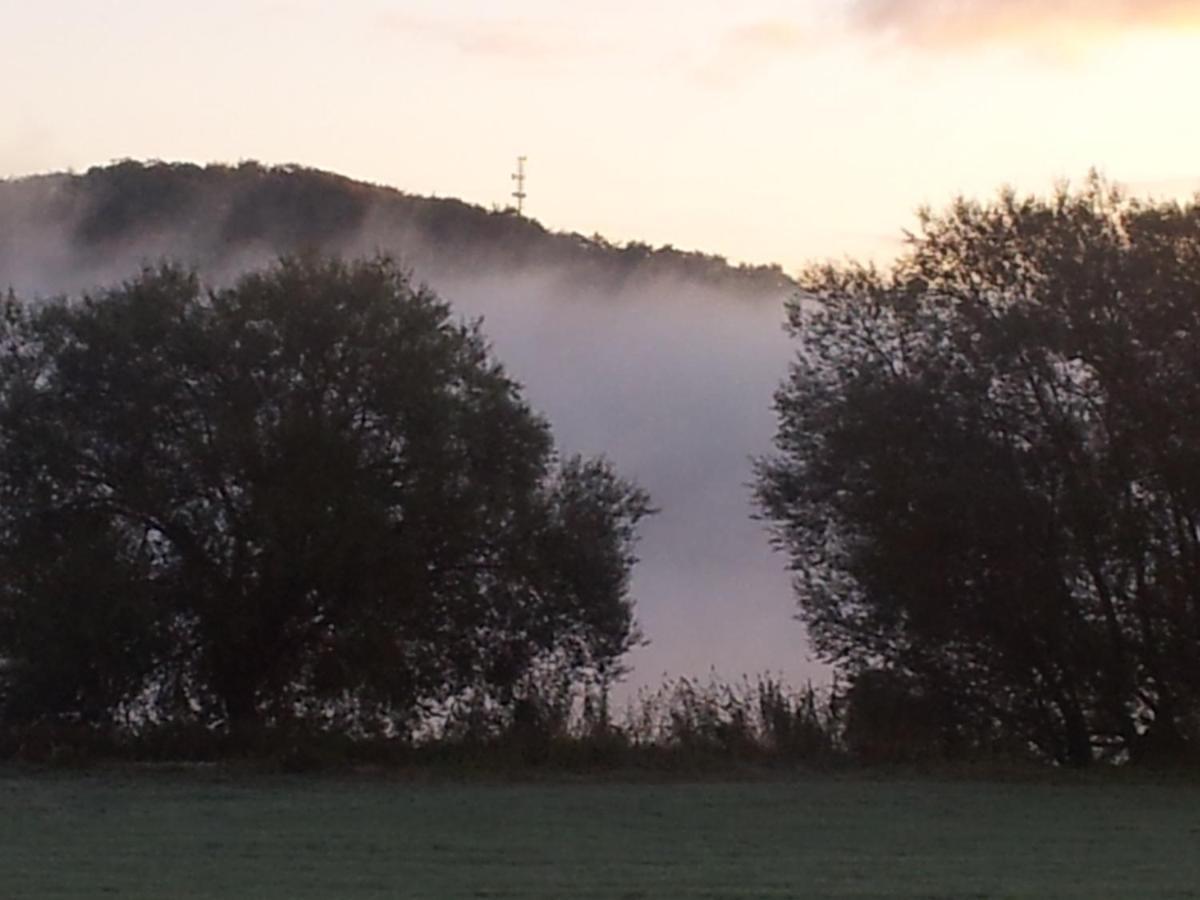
(187, 836)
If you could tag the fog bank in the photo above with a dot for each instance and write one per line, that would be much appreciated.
(669, 377)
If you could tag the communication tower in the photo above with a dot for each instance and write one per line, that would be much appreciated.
(519, 178)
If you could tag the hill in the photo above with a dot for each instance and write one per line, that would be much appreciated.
(221, 218)
(664, 361)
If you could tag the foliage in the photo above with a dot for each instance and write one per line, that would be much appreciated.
(761, 720)
(553, 721)
(987, 473)
(311, 495)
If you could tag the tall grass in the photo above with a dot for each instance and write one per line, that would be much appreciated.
(685, 724)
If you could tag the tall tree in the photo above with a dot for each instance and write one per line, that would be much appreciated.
(311, 493)
(986, 473)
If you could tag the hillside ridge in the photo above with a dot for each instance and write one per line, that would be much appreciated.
(219, 211)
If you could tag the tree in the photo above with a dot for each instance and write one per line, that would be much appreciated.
(986, 473)
(312, 493)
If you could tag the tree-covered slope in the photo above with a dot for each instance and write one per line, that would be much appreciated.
(660, 360)
(221, 218)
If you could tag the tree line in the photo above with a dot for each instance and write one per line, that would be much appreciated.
(314, 497)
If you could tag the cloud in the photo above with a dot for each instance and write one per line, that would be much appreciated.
(1056, 29)
(951, 24)
(745, 49)
(505, 39)
(772, 35)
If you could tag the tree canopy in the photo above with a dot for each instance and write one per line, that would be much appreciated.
(987, 474)
(311, 494)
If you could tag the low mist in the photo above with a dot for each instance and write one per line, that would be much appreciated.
(674, 384)
(670, 378)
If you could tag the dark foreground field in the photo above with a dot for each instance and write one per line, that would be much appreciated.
(189, 836)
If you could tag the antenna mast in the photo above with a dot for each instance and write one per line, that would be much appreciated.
(519, 178)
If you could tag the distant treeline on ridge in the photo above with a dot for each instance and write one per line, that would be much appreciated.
(221, 213)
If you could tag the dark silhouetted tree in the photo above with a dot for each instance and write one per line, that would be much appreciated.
(988, 470)
(311, 494)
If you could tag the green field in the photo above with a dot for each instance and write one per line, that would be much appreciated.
(188, 836)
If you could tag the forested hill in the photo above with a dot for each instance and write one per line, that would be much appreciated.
(63, 231)
(663, 361)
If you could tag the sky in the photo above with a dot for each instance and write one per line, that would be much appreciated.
(766, 130)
